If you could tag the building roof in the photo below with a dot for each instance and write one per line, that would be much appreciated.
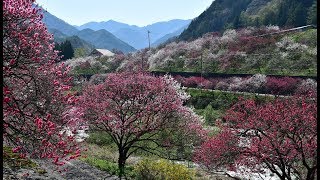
(102, 52)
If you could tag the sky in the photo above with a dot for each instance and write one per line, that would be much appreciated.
(133, 12)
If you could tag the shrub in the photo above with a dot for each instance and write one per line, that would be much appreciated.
(162, 170)
(283, 86)
(306, 86)
(256, 83)
(207, 84)
(210, 115)
(109, 166)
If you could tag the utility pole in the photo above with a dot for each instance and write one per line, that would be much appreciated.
(149, 38)
(201, 70)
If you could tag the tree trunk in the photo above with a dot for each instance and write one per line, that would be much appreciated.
(311, 174)
(121, 162)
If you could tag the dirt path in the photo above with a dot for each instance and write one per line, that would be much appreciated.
(77, 170)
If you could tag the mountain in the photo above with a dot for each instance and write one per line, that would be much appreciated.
(160, 29)
(111, 26)
(167, 37)
(135, 38)
(86, 38)
(138, 36)
(52, 22)
(57, 35)
(75, 41)
(104, 39)
(226, 14)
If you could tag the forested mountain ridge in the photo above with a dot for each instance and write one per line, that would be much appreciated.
(100, 39)
(230, 14)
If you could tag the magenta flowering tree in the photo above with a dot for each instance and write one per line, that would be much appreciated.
(285, 85)
(134, 108)
(37, 105)
(280, 136)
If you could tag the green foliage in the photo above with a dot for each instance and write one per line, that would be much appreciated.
(162, 170)
(108, 166)
(66, 50)
(78, 70)
(225, 14)
(210, 115)
(218, 100)
(79, 52)
(312, 13)
(218, 17)
(306, 37)
(100, 138)
(200, 99)
(14, 160)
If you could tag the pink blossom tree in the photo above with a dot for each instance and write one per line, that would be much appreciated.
(135, 108)
(37, 104)
(280, 136)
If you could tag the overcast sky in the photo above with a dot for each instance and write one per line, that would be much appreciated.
(133, 12)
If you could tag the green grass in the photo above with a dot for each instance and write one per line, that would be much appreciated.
(307, 37)
(108, 166)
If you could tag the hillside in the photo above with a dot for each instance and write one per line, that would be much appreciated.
(226, 14)
(52, 22)
(239, 51)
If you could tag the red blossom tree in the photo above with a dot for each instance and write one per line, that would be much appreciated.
(279, 136)
(37, 105)
(135, 108)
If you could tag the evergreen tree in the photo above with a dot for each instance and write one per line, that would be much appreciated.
(312, 13)
(65, 49)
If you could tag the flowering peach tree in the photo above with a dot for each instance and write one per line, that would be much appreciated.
(37, 105)
(135, 108)
(280, 136)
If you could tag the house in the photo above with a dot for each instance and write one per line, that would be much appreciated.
(101, 52)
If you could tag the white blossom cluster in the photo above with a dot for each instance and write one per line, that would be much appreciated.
(229, 35)
(288, 44)
(77, 61)
(177, 86)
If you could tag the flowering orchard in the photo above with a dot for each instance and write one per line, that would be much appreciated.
(280, 136)
(37, 105)
(134, 108)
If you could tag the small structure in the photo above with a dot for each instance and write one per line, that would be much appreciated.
(101, 52)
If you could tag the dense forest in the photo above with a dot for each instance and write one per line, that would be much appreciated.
(229, 14)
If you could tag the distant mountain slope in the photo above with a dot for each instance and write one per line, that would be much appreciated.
(104, 39)
(111, 26)
(53, 22)
(86, 38)
(160, 29)
(57, 35)
(75, 41)
(226, 14)
(137, 36)
(168, 36)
